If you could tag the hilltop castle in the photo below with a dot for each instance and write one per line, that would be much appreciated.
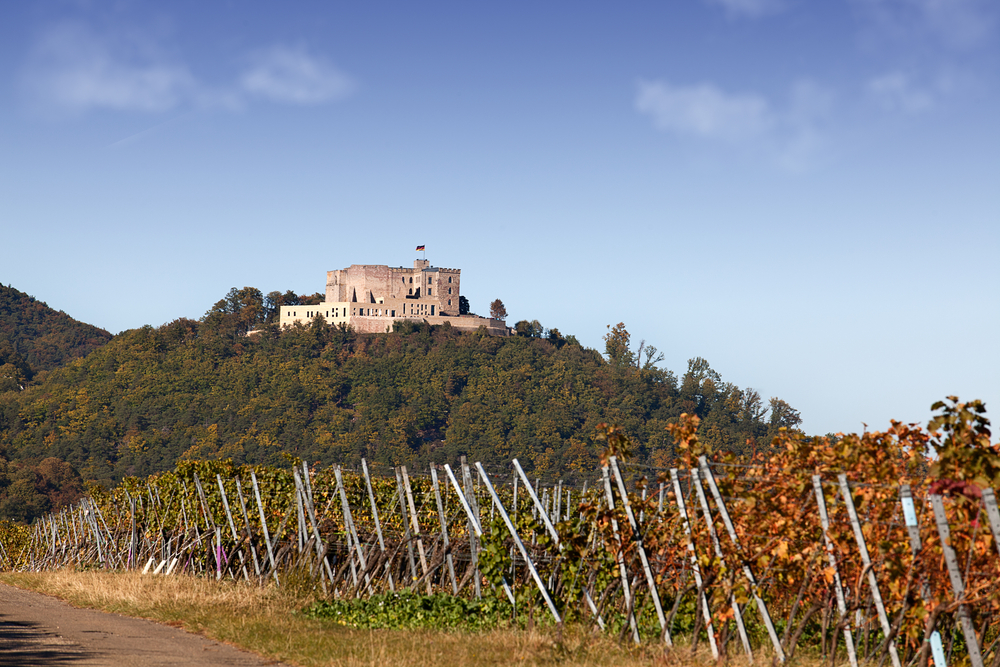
(369, 298)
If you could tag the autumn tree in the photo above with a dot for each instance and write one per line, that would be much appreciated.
(497, 310)
(616, 346)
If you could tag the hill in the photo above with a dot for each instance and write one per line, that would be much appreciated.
(201, 389)
(34, 337)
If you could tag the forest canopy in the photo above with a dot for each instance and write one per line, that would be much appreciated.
(34, 337)
(205, 389)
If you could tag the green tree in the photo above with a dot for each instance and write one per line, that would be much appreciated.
(239, 312)
(783, 415)
(463, 306)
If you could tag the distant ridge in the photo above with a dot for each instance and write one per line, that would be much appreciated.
(42, 337)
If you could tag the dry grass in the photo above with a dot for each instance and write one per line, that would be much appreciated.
(264, 620)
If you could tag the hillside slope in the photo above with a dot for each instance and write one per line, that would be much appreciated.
(34, 337)
(193, 389)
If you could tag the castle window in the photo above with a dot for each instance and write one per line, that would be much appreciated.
(393, 314)
(428, 291)
(449, 302)
(411, 279)
(449, 289)
(449, 278)
(411, 291)
(432, 310)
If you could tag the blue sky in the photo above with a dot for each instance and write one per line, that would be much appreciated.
(803, 193)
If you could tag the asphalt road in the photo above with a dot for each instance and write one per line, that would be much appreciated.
(39, 630)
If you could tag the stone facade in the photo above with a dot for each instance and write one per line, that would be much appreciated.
(369, 298)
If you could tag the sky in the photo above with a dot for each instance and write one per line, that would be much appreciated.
(806, 194)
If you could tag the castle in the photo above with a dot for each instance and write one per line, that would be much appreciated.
(369, 298)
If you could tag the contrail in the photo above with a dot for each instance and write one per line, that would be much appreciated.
(151, 130)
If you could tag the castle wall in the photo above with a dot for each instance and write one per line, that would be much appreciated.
(384, 324)
(370, 297)
(367, 283)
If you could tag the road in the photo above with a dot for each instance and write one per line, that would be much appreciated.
(39, 630)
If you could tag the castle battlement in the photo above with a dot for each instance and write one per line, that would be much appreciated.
(370, 297)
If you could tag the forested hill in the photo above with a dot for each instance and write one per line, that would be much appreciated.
(34, 337)
(201, 389)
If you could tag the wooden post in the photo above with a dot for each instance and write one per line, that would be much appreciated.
(714, 537)
(416, 528)
(133, 545)
(706, 612)
(517, 541)
(100, 516)
(474, 522)
(232, 526)
(955, 575)
(378, 524)
(859, 537)
(183, 503)
(352, 533)
(470, 499)
(263, 525)
(209, 519)
(637, 537)
(300, 514)
(557, 509)
(246, 524)
(314, 523)
(443, 520)
(406, 526)
(993, 514)
(514, 511)
(913, 530)
(620, 557)
(832, 560)
(537, 506)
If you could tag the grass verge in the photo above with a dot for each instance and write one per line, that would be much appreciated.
(268, 621)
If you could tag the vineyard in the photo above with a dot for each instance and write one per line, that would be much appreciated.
(875, 547)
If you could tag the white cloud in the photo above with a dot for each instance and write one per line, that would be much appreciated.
(958, 24)
(748, 8)
(292, 76)
(802, 134)
(704, 110)
(72, 69)
(896, 91)
(792, 133)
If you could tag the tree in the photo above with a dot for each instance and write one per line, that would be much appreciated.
(616, 346)
(275, 300)
(240, 311)
(463, 306)
(532, 329)
(497, 310)
(783, 415)
(653, 356)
